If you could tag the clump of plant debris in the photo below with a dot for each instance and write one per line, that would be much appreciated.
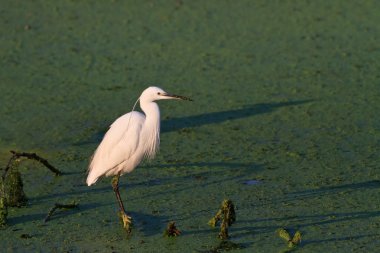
(292, 241)
(226, 215)
(171, 230)
(13, 189)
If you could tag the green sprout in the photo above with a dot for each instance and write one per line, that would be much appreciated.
(292, 242)
(226, 214)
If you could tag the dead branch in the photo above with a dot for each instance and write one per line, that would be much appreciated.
(32, 156)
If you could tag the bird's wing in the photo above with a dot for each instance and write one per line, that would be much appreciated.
(118, 144)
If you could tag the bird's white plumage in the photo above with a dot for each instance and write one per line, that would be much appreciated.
(118, 146)
(130, 138)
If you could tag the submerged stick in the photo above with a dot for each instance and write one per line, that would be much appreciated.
(32, 156)
(59, 206)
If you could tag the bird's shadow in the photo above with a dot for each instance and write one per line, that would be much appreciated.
(57, 216)
(175, 124)
(203, 175)
(148, 224)
(343, 238)
(302, 222)
(329, 190)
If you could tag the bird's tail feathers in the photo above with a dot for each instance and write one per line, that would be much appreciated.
(91, 179)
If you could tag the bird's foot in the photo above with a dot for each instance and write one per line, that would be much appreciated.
(127, 221)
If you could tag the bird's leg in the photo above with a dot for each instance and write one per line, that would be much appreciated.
(127, 220)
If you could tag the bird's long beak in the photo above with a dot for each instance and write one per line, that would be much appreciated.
(177, 97)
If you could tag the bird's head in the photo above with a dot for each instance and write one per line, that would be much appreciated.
(154, 93)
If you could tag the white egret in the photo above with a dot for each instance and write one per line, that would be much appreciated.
(130, 138)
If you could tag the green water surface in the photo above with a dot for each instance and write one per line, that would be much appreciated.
(285, 121)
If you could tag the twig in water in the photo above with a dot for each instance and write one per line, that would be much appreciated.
(59, 206)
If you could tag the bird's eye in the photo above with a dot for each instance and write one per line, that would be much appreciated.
(158, 93)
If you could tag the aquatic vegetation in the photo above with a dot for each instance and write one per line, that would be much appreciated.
(3, 211)
(171, 230)
(226, 214)
(292, 241)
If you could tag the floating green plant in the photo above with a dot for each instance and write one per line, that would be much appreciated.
(226, 214)
(292, 241)
(171, 230)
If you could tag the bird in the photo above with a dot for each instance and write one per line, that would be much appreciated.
(131, 138)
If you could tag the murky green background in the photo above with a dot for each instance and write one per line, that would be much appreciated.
(286, 94)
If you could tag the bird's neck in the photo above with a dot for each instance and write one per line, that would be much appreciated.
(151, 128)
(152, 113)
